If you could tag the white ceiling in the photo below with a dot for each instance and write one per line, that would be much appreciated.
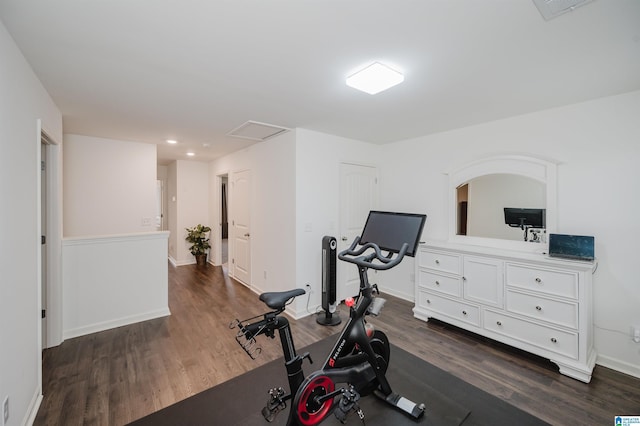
(149, 70)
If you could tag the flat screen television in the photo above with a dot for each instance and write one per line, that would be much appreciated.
(524, 218)
(390, 230)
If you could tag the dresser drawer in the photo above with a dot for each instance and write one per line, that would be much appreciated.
(558, 341)
(451, 308)
(542, 308)
(444, 262)
(559, 283)
(441, 283)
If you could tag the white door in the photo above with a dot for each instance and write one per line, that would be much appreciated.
(241, 226)
(43, 222)
(358, 195)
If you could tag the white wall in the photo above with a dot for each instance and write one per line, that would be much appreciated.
(114, 280)
(318, 158)
(23, 101)
(191, 206)
(295, 184)
(597, 146)
(113, 260)
(109, 186)
(272, 209)
(273, 216)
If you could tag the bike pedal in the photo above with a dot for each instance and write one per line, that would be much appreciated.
(270, 414)
(275, 404)
(348, 403)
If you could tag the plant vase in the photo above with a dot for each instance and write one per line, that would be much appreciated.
(201, 259)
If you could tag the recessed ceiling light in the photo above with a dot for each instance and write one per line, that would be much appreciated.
(172, 141)
(375, 78)
(191, 154)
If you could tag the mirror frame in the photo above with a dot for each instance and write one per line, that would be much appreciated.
(541, 170)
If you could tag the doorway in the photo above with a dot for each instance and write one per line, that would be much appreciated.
(161, 206)
(50, 228)
(43, 238)
(224, 219)
(240, 231)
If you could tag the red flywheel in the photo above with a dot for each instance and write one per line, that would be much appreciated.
(309, 411)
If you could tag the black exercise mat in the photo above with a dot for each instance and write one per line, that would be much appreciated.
(449, 400)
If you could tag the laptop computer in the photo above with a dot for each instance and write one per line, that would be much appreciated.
(574, 247)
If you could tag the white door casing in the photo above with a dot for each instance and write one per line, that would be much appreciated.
(241, 226)
(358, 195)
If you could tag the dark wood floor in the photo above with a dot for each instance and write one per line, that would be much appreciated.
(119, 375)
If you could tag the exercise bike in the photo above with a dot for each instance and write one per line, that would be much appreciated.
(358, 361)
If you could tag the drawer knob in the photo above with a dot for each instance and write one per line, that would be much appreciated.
(437, 282)
(538, 280)
(554, 340)
(428, 301)
(464, 312)
(437, 262)
(498, 322)
(538, 308)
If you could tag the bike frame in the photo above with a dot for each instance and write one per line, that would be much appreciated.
(313, 397)
(339, 366)
(355, 332)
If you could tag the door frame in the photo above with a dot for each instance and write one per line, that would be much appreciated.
(232, 215)
(217, 216)
(53, 247)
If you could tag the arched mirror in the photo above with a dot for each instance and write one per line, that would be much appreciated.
(505, 201)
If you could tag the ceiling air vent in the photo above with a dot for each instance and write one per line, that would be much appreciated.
(551, 8)
(257, 131)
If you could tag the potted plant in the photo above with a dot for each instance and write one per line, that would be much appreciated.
(197, 236)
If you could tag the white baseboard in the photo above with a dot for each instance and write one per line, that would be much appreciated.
(403, 296)
(188, 262)
(621, 366)
(34, 406)
(119, 322)
(182, 262)
(312, 310)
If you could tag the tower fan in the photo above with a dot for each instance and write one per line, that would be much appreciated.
(329, 316)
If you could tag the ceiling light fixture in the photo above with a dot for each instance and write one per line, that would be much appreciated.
(172, 142)
(375, 78)
(191, 154)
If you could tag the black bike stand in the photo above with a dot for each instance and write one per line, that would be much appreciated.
(327, 318)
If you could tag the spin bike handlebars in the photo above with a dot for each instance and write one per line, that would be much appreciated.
(356, 256)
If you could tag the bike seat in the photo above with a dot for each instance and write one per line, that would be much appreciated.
(277, 299)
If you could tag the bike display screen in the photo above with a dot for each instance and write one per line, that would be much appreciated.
(390, 230)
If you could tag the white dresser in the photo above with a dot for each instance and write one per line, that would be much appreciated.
(526, 300)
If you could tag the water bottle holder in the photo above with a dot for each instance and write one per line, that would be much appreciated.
(376, 306)
(246, 340)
